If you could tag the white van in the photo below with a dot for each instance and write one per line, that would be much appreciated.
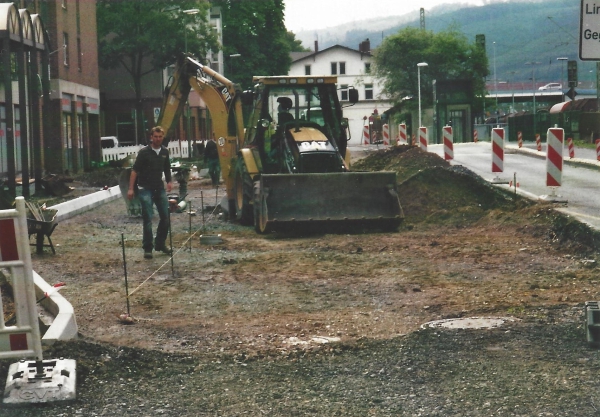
(109, 142)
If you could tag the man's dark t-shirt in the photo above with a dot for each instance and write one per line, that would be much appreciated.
(211, 151)
(149, 167)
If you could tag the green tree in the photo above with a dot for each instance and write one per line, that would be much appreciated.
(448, 54)
(146, 36)
(255, 40)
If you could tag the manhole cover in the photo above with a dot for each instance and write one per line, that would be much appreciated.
(469, 323)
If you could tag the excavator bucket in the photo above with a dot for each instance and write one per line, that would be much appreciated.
(295, 201)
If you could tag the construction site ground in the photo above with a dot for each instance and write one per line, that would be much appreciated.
(333, 324)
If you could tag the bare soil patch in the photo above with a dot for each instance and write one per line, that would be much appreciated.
(330, 324)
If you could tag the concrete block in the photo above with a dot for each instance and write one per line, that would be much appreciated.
(57, 381)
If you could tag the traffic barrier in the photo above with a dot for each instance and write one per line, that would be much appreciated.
(475, 136)
(366, 137)
(23, 339)
(598, 149)
(27, 381)
(386, 134)
(520, 139)
(554, 157)
(538, 142)
(402, 132)
(571, 147)
(423, 138)
(497, 149)
(414, 140)
(448, 143)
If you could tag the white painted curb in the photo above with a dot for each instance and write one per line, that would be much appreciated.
(64, 326)
(78, 205)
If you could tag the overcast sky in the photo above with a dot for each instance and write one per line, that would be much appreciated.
(316, 14)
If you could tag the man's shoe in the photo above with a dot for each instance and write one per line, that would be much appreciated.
(147, 255)
(165, 250)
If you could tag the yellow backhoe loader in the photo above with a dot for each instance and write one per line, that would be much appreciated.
(287, 168)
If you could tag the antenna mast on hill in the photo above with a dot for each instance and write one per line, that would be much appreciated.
(422, 18)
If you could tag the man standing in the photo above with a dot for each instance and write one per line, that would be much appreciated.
(211, 158)
(151, 163)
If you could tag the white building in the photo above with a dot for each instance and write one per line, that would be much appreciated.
(353, 68)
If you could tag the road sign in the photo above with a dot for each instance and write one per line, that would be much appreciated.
(589, 31)
(156, 114)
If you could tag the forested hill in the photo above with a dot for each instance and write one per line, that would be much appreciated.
(523, 32)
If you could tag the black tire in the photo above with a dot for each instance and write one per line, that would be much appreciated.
(243, 194)
(260, 217)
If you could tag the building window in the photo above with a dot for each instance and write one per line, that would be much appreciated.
(66, 49)
(344, 92)
(334, 68)
(368, 91)
(342, 68)
(367, 67)
(307, 70)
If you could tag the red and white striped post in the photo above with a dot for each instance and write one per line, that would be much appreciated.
(423, 138)
(554, 157)
(366, 137)
(413, 140)
(386, 134)
(520, 139)
(475, 136)
(538, 142)
(598, 149)
(448, 143)
(402, 132)
(497, 149)
(571, 147)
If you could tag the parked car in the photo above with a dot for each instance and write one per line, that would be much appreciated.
(551, 86)
(109, 142)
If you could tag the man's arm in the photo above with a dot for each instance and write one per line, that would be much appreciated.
(167, 172)
(132, 179)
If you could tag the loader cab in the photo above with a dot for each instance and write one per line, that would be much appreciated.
(300, 127)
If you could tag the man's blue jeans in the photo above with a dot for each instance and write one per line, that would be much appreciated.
(148, 198)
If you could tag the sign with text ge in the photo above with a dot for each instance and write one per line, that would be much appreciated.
(589, 31)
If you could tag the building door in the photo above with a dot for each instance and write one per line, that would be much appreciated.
(457, 119)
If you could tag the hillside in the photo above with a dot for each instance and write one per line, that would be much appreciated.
(523, 31)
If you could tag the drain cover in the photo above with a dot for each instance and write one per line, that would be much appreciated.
(468, 323)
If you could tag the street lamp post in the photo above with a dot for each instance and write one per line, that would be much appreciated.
(188, 135)
(495, 77)
(533, 64)
(419, 65)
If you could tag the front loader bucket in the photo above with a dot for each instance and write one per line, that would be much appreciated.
(364, 199)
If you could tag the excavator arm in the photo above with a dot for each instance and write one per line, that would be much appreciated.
(223, 100)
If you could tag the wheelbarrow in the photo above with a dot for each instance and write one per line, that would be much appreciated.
(42, 228)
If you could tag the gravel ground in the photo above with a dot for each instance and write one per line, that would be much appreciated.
(233, 332)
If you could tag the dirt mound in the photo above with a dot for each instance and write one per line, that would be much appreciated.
(432, 190)
(405, 160)
(438, 194)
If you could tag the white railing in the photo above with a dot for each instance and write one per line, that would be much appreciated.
(177, 149)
